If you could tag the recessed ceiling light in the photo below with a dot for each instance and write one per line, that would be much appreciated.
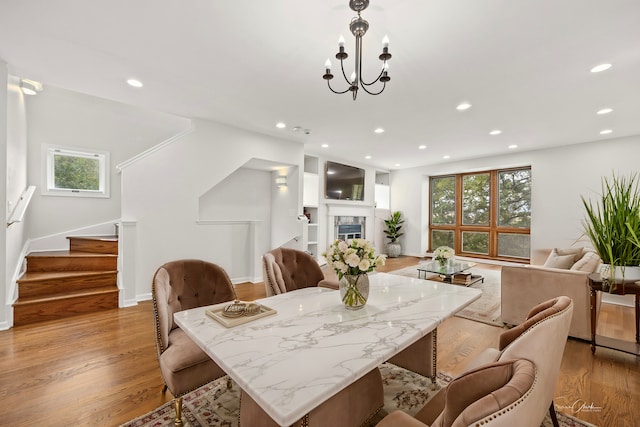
(605, 131)
(325, 145)
(367, 157)
(604, 111)
(446, 157)
(495, 132)
(134, 83)
(512, 147)
(397, 164)
(422, 147)
(379, 130)
(463, 106)
(281, 125)
(601, 67)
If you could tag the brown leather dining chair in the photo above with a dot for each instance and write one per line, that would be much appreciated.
(285, 269)
(181, 285)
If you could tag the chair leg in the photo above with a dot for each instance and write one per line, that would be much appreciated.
(164, 389)
(552, 414)
(229, 384)
(178, 405)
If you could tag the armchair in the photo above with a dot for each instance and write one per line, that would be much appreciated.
(523, 286)
(181, 285)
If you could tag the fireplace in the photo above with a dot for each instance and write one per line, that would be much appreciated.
(349, 227)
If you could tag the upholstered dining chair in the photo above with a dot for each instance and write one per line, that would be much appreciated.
(181, 285)
(286, 269)
(494, 395)
(541, 338)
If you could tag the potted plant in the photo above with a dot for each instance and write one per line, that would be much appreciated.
(393, 224)
(613, 224)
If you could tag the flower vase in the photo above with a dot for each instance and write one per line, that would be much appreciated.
(442, 262)
(354, 290)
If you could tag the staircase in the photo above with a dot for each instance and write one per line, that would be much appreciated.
(59, 284)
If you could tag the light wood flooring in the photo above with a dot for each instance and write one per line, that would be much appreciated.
(101, 369)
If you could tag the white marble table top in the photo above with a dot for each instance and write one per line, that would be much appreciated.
(292, 361)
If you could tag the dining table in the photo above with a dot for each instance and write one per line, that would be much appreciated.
(312, 347)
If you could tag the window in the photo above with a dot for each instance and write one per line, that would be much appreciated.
(483, 214)
(74, 172)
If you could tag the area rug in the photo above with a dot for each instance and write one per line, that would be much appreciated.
(487, 308)
(213, 405)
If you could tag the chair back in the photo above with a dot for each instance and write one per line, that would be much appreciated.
(541, 339)
(184, 284)
(287, 269)
(498, 394)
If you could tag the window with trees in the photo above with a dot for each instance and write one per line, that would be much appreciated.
(72, 172)
(483, 214)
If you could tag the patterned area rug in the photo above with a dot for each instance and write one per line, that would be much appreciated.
(487, 308)
(213, 405)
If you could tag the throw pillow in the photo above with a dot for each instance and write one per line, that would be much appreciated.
(559, 261)
(589, 263)
(576, 252)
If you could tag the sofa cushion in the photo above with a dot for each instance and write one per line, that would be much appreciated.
(576, 252)
(589, 262)
(559, 261)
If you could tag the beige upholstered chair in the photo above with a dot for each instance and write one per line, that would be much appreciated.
(497, 394)
(181, 285)
(541, 339)
(351, 407)
(287, 269)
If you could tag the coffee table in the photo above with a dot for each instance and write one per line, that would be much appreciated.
(446, 272)
(338, 346)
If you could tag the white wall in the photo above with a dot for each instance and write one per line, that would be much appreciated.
(559, 177)
(161, 196)
(13, 139)
(62, 117)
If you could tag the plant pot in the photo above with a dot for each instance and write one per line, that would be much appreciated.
(628, 273)
(393, 249)
(354, 290)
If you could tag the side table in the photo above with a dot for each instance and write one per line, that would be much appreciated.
(623, 288)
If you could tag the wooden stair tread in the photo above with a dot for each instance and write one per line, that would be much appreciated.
(41, 275)
(105, 238)
(68, 253)
(66, 295)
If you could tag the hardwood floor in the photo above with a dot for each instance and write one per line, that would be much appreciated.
(101, 369)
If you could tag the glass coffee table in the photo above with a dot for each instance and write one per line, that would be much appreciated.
(452, 272)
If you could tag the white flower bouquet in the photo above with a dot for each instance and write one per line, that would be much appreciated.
(352, 261)
(443, 253)
(354, 258)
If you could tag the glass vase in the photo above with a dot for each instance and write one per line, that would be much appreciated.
(354, 291)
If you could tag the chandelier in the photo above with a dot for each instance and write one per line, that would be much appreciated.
(359, 27)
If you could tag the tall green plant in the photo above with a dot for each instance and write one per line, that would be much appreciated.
(394, 224)
(613, 222)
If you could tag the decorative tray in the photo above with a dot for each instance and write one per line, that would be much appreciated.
(238, 313)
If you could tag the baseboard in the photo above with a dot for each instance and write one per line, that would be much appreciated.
(144, 297)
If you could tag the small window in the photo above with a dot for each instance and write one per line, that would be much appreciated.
(75, 172)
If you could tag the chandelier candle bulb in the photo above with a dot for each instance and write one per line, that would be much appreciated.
(327, 65)
(385, 41)
(341, 41)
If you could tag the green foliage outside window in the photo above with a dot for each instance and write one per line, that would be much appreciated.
(77, 173)
(475, 199)
(443, 201)
(514, 198)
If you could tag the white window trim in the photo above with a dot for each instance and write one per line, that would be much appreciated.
(48, 189)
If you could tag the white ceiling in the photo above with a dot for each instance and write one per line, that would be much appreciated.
(523, 65)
